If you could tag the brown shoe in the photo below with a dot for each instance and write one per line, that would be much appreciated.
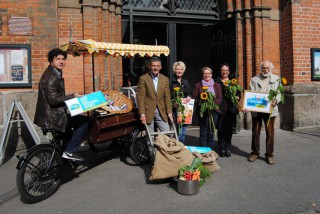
(253, 157)
(270, 160)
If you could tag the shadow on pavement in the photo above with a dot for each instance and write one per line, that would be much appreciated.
(309, 131)
(236, 151)
(104, 152)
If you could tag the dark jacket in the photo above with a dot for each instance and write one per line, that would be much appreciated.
(227, 104)
(51, 110)
(184, 87)
(198, 90)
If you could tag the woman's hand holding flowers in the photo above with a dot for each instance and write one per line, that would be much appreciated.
(177, 104)
(208, 105)
(231, 87)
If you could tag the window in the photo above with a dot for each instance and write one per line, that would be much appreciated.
(15, 66)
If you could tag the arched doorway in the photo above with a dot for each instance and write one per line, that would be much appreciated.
(185, 26)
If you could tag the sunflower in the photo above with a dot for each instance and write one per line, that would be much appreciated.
(204, 96)
(284, 81)
(176, 88)
(274, 93)
(230, 90)
(205, 88)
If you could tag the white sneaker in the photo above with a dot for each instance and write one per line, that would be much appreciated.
(72, 156)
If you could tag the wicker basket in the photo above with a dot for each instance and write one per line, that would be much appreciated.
(119, 100)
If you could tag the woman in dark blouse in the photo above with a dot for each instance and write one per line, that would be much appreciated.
(227, 118)
(184, 87)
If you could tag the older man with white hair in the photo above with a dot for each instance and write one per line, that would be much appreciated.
(264, 82)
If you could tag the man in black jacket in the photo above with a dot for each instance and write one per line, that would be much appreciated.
(51, 110)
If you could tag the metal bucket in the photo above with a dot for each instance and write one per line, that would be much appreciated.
(188, 187)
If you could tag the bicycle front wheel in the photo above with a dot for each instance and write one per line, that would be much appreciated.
(40, 175)
(139, 148)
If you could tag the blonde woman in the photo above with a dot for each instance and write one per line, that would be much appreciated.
(177, 81)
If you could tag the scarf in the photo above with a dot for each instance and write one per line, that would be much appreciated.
(209, 84)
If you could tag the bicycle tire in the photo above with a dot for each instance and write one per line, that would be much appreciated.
(40, 176)
(139, 148)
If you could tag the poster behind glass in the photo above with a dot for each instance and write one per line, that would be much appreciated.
(15, 66)
(315, 64)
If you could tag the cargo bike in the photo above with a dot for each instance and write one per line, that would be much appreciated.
(39, 169)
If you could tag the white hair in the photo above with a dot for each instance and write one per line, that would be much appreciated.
(271, 65)
(179, 63)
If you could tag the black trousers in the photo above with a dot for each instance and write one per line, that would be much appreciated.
(225, 131)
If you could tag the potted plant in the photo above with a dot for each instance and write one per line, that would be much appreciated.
(192, 177)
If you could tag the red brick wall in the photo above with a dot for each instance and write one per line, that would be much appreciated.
(286, 44)
(52, 27)
(44, 29)
(300, 29)
(258, 39)
(100, 24)
(70, 27)
(258, 36)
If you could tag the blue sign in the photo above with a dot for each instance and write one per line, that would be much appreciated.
(86, 103)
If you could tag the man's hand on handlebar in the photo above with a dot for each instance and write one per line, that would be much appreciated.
(143, 118)
(171, 118)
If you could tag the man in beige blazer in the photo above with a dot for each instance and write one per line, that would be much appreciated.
(153, 97)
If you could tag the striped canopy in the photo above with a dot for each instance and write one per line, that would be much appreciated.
(114, 49)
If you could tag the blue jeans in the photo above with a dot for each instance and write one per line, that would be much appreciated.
(181, 132)
(206, 136)
(181, 128)
(77, 127)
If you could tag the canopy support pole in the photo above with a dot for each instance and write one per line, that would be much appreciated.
(131, 40)
(93, 82)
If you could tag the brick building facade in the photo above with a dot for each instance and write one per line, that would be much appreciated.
(281, 31)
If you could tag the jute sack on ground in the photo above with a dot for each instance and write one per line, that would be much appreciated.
(171, 155)
(208, 160)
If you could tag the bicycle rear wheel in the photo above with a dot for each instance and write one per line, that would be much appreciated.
(40, 176)
(139, 148)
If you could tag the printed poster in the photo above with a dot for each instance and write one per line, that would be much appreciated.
(188, 110)
(17, 72)
(86, 103)
(256, 101)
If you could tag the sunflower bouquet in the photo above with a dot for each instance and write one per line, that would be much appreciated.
(231, 87)
(177, 102)
(207, 105)
(274, 93)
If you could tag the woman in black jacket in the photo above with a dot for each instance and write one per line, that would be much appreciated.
(228, 113)
(184, 87)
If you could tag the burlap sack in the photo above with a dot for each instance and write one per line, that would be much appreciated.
(208, 160)
(171, 155)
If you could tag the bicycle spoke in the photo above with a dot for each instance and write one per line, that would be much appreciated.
(141, 150)
(34, 184)
(39, 176)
